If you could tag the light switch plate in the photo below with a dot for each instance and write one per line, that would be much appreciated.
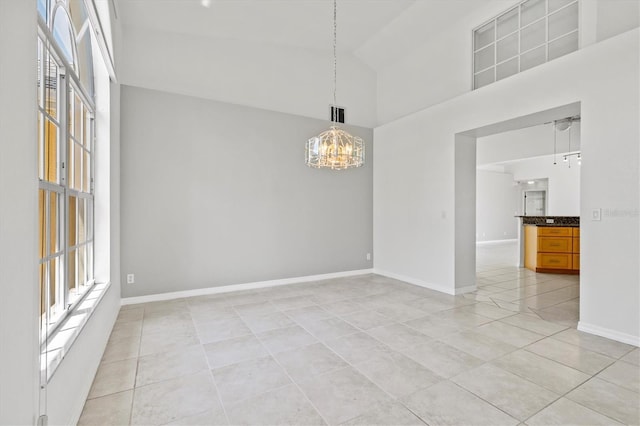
(596, 214)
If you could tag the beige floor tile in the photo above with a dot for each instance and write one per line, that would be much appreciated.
(284, 339)
(609, 399)
(397, 374)
(447, 404)
(311, 360)
(343, 394)
(283, 406)
(292, 302)
(121, 348)
(233, 351)
(399, 312)
(510, 334)
(365, 320)
(174, 399)
(622, 374)
(429, 305)
(433, 327)
(257, 308)
(385, 415)
(221, 329)
(213, 417)
(547, 373)
(159, 321)
(114, 377)
(123, 329)
(163, 341)
(399, 336)
(330, 328)
(459, 318)
(114, 409)
(307, 314)
(170, 365)
(249, 378)
(203, 313)
(566, 412)
(632, 357)
(533, 323)
(573, 356)
(478, 345)
(343, 307)
(593, 343)
(133, 314)
(442, 359)
(262, 323)
(487, 310)
(512, 394)
(357, 347)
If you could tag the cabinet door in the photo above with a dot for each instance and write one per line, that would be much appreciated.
(576, 262)
(555, 244)
(554, 260)
(576, 245)
(555, 231)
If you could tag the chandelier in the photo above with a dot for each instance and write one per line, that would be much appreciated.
(335, 148)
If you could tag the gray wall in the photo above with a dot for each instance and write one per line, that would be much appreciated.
(216, 194)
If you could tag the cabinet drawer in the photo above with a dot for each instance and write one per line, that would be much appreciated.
(576, 262)
(576, 245)
(555, 245)
(576, 232)
(554, 260)
(554, 231)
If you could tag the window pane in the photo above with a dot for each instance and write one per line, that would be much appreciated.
(77, 118)
(42, 223)
(63, 34)
(72, 221)
(51, 86)
(557, 4)
(50, 151)
(71, 273)
(532, 58)
(532, 36)
(507, 47)
(508, 23)
(86, 134)
(484, 35)
(43, 288)
(85, 63)
(86, 185)
(54, 222)
(54, 296)
(40, 71)
(531, 10)
(506, 69)
(77, 167)
(82, 279)
(484, 78)
(81, 221)
(563, 22)
(40, 146)
(484, 58)
(564, 45)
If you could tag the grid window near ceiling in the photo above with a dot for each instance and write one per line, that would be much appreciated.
(530, 34)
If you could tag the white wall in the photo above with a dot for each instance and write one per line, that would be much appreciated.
(415, 177)
(440, 68)
(217, 194)
(278, 78)
(497, 204)
(18, 214)
(563, 187)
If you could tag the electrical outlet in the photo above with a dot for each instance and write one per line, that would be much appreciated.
(596, 214)
(131, 279)
(368, 256)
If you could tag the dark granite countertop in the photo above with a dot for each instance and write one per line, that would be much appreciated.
(559, 221)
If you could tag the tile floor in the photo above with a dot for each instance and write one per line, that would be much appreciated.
(368, 350)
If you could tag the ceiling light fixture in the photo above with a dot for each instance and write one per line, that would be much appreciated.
(205, 3)
(563, 125)
(335, 148)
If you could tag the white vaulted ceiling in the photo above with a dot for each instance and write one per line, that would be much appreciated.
(373, 30)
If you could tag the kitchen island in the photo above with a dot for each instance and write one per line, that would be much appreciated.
(550, 244)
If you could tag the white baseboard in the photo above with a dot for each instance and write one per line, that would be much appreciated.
(415, 281)
(466, 289)
(490, 242)
(236, 287)
(609, 334)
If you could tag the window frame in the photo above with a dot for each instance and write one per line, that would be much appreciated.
(518, 56)
(66, 79)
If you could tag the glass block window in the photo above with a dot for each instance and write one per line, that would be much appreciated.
(529, 34)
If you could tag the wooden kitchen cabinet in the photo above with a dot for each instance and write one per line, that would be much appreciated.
(552, 249)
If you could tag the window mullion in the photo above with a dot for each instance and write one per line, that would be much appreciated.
(64, 133)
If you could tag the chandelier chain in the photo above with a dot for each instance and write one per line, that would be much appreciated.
(335, 60)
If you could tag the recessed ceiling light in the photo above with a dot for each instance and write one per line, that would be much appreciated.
(531, 182)
(205, 3)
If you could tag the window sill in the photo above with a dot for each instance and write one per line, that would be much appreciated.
(61, 341)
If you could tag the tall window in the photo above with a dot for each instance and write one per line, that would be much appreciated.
(530, 34)
(65, 157)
